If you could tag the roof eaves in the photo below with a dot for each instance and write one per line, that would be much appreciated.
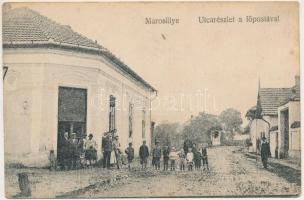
(92, 50)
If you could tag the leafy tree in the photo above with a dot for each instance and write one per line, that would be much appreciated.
(231, 119)
(167, 134)
(198, 128)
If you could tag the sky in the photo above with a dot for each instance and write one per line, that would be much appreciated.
(194, 66)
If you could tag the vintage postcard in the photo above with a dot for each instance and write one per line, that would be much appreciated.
(151, 99)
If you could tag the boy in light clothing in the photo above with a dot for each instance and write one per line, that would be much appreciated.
(173, 157)
(189, 159)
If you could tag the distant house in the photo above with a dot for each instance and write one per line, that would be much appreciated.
(60, 81)
(269, 102)
(216, 138)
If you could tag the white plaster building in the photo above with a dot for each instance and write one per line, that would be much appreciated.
(59, 80)
(280, 107)
(289, 130)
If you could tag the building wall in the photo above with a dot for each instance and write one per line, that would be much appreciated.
(259, 126)
(293, 108)
(31, 100)
(273, 142)
(295, 148)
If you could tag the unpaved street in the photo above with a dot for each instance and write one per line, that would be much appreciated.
(231, 174)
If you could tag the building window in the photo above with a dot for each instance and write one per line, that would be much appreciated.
(143, 123)
(112, 113)
(130, 119)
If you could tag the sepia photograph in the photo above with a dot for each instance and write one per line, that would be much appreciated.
(151, 99)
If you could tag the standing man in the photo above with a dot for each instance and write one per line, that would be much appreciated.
(130, 154)
(143, 154)
(65, 152)
(264, 151)
(187, 144)
(107, 149)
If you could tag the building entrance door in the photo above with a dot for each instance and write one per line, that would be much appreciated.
(72, 110)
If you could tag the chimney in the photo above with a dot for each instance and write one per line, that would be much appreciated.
(297, 81)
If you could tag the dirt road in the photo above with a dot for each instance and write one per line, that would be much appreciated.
(230, 174)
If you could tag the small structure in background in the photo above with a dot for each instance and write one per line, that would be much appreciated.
(216, 138)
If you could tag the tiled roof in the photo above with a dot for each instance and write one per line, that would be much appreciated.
(26, 25)
(23, 27)
(272, 98)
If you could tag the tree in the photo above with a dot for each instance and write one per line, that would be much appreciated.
(231, 119)
(167, 134)
(198, 129)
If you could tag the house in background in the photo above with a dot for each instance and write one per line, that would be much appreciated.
(60, 81)
(289, 130)
(268, 123)
(216, 138)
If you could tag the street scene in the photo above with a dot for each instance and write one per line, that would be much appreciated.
(168, 107)
(235, 173)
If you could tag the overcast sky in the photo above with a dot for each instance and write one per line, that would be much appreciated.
(210, 66)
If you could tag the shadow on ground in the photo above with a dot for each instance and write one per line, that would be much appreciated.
(290, 174)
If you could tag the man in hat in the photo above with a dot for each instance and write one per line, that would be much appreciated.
(90, 147)
(143, 154)
(264, 151)
(65, 152)
(107, 149)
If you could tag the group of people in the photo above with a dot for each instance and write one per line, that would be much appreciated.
(188, 157)
(75, 152)
(191, 158)
(111, 150)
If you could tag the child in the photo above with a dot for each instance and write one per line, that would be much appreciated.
(156, 153)
(189, 158)
(205, 157)
(166, 157)
(130, 154)
(182, 160)
(198, 160)
(173, 157)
